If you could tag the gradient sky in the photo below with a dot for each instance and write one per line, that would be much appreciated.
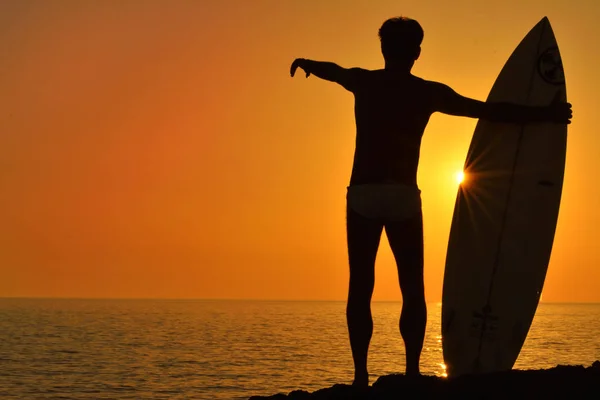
(161, 149)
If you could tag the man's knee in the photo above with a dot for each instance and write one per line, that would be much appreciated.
(412, 281)
(413, 295)
(362, 287)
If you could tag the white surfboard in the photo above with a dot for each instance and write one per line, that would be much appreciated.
(505, 217)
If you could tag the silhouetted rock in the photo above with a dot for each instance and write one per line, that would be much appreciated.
(560, 382)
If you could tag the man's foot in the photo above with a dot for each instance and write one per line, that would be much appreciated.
(413, 372)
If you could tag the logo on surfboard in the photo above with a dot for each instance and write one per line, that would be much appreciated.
(550, 66)
(484, 324)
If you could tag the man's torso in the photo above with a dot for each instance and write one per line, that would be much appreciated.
(391, 111)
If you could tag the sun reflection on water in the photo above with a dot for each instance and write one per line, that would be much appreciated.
(443, 367)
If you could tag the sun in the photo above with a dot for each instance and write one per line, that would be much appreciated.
(459, 177)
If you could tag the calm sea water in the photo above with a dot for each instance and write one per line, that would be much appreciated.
(209, 349)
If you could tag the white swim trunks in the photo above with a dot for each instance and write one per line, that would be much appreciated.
(385, 201)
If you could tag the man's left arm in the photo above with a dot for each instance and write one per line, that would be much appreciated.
(447, 101)
(346, 77)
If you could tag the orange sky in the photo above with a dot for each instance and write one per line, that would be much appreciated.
(163, 150)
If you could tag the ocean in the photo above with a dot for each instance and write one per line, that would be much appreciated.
(230, 349)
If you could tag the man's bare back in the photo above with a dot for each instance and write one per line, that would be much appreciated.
(391, 111)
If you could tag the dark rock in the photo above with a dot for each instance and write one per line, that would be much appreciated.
(562, 381)
(300, 395)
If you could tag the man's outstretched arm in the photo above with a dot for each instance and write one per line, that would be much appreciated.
(447, 101)
(326, 70)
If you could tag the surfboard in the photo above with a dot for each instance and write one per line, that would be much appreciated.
(505, 217)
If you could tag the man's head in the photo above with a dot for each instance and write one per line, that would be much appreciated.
(401, 39)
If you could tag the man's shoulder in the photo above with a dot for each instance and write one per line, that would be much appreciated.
(434, 88)
(426, 82)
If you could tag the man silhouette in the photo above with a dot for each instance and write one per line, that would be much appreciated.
(392, 109)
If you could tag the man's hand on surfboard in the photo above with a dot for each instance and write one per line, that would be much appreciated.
(298, 62)
(559, 111)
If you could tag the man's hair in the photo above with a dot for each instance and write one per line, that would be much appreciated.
(401, 38)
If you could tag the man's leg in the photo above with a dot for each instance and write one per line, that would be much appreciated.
(363, 236)
(406, 242)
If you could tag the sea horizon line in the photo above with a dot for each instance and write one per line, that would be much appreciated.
(241, 299)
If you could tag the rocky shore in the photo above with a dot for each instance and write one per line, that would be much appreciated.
(560, 382)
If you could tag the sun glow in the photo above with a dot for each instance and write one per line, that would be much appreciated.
(460, 177)
(444, 372)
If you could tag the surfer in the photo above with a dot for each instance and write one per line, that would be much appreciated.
(392, 109)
